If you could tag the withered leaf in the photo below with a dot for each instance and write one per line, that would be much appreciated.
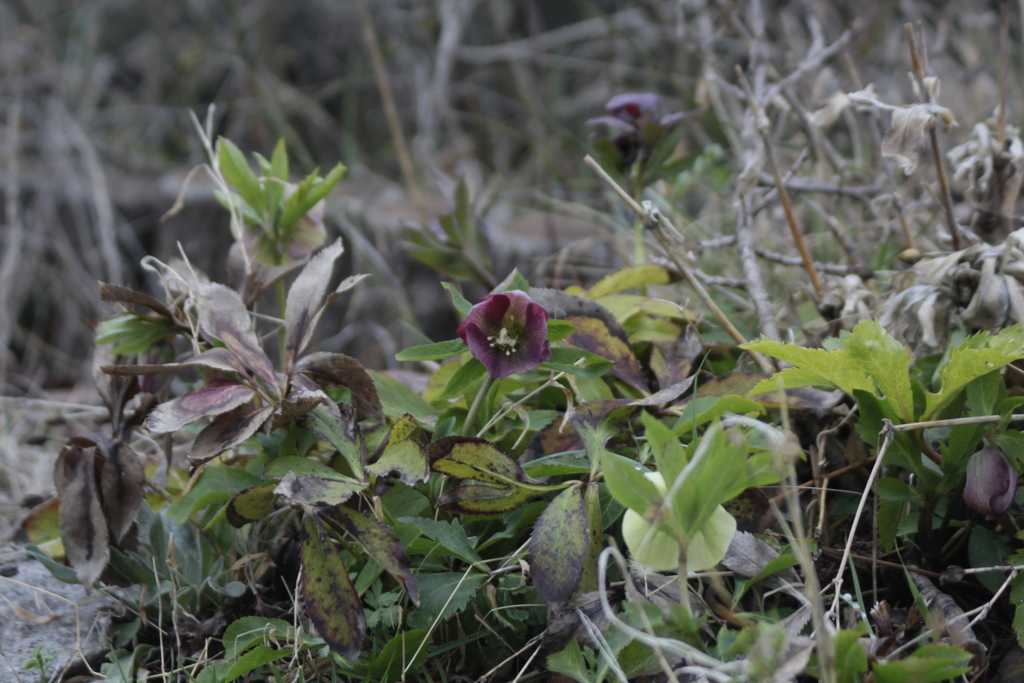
(484, 499)
(748, 556)
(125, 295)
(379, 542)
(335, 370)
(907, 136)
(402, 453)
(122, 478)
(295, 405)
(467, 457)
(752, 510)
(313, 490)
(226, 431)
(220, 397)
(669, 370)
(223, 315)
(305, 299)
(83, 527)
(331, 600)
(558, 546)
(250, 505)
(217, 358)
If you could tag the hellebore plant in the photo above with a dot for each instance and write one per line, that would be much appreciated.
(634, 119)
(991, 483)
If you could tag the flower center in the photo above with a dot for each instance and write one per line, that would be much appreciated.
(504, 342)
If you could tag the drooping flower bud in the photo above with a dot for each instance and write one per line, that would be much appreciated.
(991, 483)
(507, 332)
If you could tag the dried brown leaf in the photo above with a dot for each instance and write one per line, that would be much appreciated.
(335, 370)
(125, 295)
(122, 478)
(907, 136)
(295, 405)
(83, 527)
(220, 397)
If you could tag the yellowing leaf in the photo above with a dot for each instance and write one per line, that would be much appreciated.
(627, 278)
(558, 546)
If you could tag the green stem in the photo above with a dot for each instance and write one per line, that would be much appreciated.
(467, 426)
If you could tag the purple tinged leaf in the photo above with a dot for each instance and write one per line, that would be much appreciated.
(223, 315)
(313, 490)
(331, 600)
(991, 483)
(345, 285)
(507, 332)
(125, 295)
(558, 546)
(295, 405)
(380, 543)
(227, 431)
(217, 358)
(305, 299)
(83, 527)
(335, 370)
(220, 397)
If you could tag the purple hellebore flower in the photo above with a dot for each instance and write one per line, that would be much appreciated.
(633, 117)
(991, 483)
(507, 332)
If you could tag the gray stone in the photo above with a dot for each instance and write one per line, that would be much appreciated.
(29, 593)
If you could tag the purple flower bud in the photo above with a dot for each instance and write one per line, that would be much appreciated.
(507, 332)
(991, 483)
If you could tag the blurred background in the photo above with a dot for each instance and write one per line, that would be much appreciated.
(96, 138)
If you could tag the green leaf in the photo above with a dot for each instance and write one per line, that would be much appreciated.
(254, 660)
(898, 490)
(516, 281)
(975, 357)
(559, 330)
(874, 352)
(470, 372)
(133, 334)
(569, 662)
(566, 359)
(558, 546)
(705, 410)
(279, 467)
(215, 478)
(460, 302)
(451, 535)
(443, 594)
(398, 400)
(248, 632)
(436, 351)
(336, 423)
(279, 161)
(331, 600)
(627, 278)
(628, 485)
(851, 658)
(313, 490)
(929, 664)
(237, 172)
(393, 661)
(59, 571)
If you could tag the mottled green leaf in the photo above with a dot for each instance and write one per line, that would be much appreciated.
(558, 546)
(380, 543)
(313, 490)
(402, 453)
(467, 457)
(331, 600)
(337, 425)
(484, 499)
(251, 505)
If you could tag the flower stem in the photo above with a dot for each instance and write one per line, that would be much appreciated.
(467, 426)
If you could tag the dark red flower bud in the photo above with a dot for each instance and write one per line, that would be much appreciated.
(991, 483)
